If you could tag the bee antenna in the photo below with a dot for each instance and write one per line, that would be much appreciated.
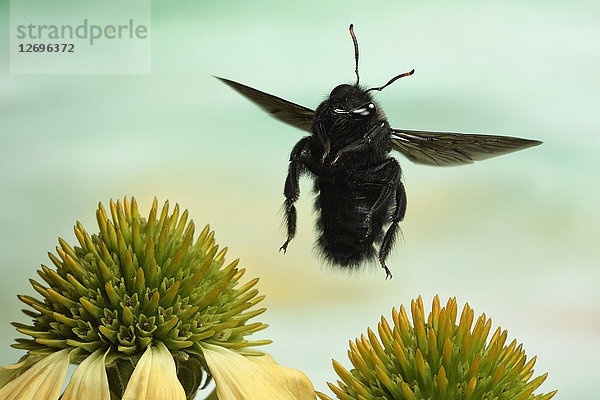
(380, 88)
(355, 52)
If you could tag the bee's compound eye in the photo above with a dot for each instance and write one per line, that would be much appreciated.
(336, 112)
(364, 111)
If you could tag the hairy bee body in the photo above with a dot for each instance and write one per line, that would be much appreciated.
(342, 203)
(358, 187)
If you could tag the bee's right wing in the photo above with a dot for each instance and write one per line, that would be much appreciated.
(449, 148)
(286, 111)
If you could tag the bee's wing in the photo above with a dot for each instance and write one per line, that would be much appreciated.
(447, 148)
(286, 111)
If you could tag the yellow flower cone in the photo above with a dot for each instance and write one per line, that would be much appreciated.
(254, 378)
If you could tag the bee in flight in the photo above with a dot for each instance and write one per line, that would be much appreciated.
(358, 185)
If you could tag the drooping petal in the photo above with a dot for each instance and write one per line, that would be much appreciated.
(10, 372)
(295, 381)
(89, 381)
(254, 378)
(155, 377)
(43, 381)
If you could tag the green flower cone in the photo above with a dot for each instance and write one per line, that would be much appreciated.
(142, 293)
(436, 359)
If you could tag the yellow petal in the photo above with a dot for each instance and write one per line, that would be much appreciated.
(89, 381)
(295, 381)
(155, 377)
(254, 378)
(10, 372)
(42, 381)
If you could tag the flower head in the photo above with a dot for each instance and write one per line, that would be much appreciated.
(436, 359)
(140, 305)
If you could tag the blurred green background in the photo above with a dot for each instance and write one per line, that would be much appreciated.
(515, 236)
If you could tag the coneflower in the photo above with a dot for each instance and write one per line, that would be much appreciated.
(148, 313)
(436, 358)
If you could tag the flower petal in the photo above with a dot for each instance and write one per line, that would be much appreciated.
(254, 378)
(155, 377)
(10, 372)
(89, 381)
(295, 381)
(43, 381)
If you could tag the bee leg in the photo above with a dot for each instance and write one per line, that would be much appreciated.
(360, 143)
(291, 189)
(390, 235)
(388, 274)
(324, 140)
(389, 186)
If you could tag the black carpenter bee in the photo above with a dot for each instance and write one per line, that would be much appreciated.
(358, 185)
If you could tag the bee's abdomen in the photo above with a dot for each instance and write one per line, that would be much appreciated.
(344, 239)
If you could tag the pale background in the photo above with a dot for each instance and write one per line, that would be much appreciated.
(516, 236)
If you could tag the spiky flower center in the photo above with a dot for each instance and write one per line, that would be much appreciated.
(437, 359)
(138, 281)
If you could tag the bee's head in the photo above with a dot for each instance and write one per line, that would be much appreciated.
(353, 101)
(350, 108)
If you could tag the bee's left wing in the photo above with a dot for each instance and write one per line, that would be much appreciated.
(448, 148)
(286, 111)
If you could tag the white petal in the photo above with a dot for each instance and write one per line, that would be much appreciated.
(89, 381)
(254, 378)
(42, 381)
(155, 377)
